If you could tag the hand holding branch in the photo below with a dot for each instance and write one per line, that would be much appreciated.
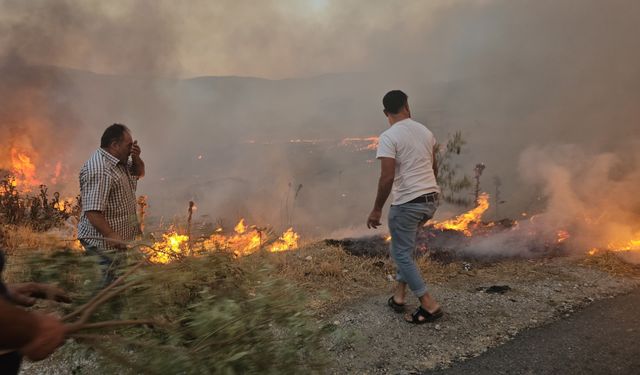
(51, 333)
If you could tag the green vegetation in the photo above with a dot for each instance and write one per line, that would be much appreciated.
(453, 185)
(200, 315)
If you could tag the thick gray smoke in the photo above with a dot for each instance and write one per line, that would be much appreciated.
(592, 197)
(509, 74)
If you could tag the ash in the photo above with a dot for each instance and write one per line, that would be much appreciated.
(504, 238)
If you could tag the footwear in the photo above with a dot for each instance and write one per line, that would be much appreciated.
(421, 316)
(397, 307)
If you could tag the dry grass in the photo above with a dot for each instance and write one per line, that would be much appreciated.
(614, 263)
(23, 238)
(328, 274)
(19, 241)
(331, 276)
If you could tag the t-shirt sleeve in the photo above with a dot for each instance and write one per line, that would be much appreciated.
(96, 191)
(386, 147)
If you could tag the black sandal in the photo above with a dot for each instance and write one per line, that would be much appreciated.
(397, 307)
(421, 316)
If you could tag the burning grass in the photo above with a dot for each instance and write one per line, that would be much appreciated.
(463, 222)
(315, 280)
(244, 240)
(613, 262)
(203, 284)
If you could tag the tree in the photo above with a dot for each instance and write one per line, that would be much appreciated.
(451, 183)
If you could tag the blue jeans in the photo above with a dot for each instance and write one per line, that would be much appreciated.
(107, 261)
(404, 221)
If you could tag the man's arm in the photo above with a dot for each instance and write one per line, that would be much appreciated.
(385, 183)
(97, 219)
(18, 326)
(33, 334)
(137, 167)
(435, 162)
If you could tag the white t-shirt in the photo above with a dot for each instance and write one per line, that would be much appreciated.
(412, 145)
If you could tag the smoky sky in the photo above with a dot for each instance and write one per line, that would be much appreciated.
(511, 75)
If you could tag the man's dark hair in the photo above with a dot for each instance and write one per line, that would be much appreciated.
(113, 133)
(393, 101)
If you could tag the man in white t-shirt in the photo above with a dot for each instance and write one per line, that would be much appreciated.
(408, 166)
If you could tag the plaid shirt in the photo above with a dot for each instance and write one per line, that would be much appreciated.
(106, 185)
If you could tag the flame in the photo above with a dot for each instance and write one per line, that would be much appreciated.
(171, 247)
(631, 245)
(562, 235)
(461, 223)
(23, 170)
(619, 246)
(371, 143)
(240, 228)
(387, 239)
(288, 241)
(359, 143)
(64, 205)
(26, 172)
(244, 241)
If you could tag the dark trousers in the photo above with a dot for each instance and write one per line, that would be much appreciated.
(10, 363)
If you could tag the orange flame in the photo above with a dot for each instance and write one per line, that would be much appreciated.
(22, 162)
(23, 169)
(371, 143)
(288, 241)
(242, 243)
(64, 205)
(245, 241)
(357, 143)
(631, 245)
(171, 247)
(562, 236)
(619, 246)
(240, 228)
(461, 223)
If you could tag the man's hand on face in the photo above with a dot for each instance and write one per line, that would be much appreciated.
(25, 294)
(51, 333)
(135, 150)
(374, 219)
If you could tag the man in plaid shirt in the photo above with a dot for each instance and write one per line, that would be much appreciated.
(108, 183)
